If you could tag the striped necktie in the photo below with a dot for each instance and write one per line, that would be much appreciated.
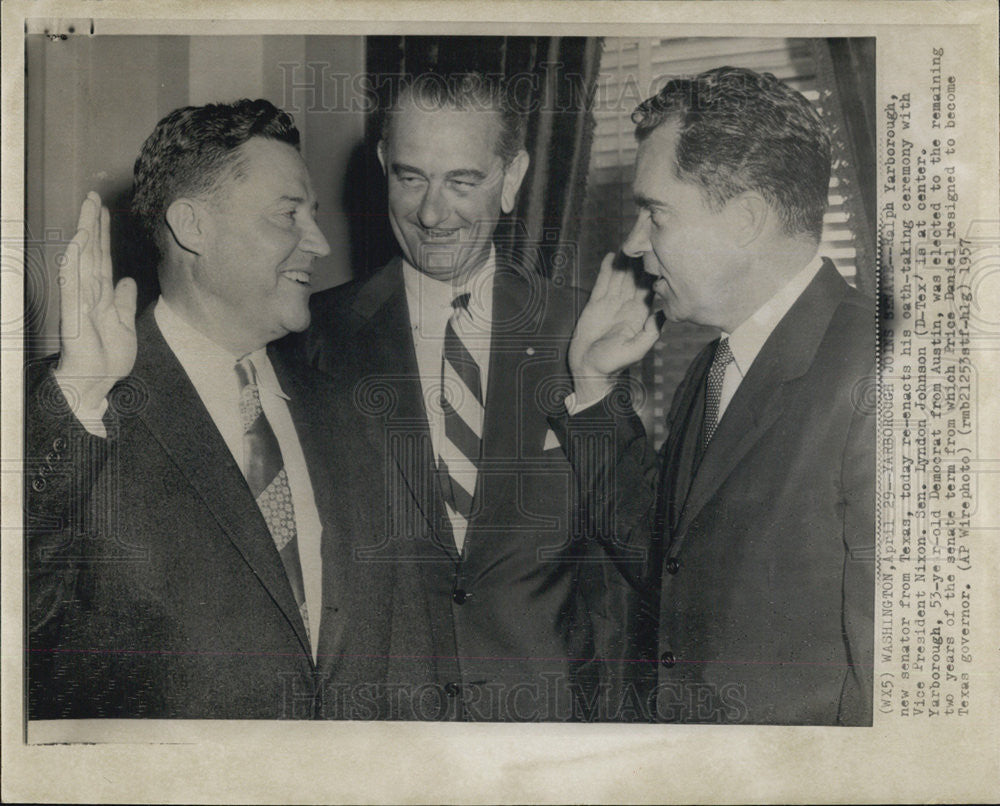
(716, 376)
(462, 405)
(268, 481)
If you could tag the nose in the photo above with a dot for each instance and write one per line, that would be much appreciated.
(433, 208)
(313, 241)
(637, 242)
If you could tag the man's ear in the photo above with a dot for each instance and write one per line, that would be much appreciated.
(751, 214)
(513, 175)
(380, 150)
(186, 220)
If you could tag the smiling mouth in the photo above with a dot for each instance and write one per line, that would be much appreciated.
(439, 234)
(297, 276)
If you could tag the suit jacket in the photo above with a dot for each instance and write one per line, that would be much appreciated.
(518, 612)
(759, 571)
(155, 588)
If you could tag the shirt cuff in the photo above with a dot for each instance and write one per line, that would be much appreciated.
(92, 419)
(573, 406)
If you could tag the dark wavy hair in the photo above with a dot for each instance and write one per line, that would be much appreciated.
(463, 91)
(741, 130)
(193, 150)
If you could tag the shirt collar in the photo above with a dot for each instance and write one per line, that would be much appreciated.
(206, 363)
(433, 298)
(747, 340)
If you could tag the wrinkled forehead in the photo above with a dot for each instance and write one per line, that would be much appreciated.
(442, 125)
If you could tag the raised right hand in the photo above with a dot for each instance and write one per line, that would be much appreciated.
(615, 329)
(96, 319)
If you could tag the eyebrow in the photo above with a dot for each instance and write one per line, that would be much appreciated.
(466, 173)
(297, 200)
(400, 168)
(458, 173)
(647, 203)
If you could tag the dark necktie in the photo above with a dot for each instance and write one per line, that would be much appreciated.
(268, 481)
(716, 376)
(462, 404)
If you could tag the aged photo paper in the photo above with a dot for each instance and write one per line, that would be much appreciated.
(911, 88)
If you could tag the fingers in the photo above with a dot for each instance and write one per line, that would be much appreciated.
(102, 260)
(87, 209)
(105, 244)
(618, 282)
(628, 288)
(643, 340)
(125, 301)
(651, 327)
(88, 264)
(69, 269)
(604, 276)
(72, 285)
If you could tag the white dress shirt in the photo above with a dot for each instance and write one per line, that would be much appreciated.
(212, 371)
(430, 306)
(747, 340)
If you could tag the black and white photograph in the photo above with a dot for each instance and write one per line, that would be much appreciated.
(459, 512)
(481, 382)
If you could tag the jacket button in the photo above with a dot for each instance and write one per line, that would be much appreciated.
(673, 565)
(667, 659)
(459, 596)
(452, 689)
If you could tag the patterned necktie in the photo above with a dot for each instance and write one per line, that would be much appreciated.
(462, 404)
(716, 376)
(268, 481)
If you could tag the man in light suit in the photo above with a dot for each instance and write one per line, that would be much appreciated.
(193, 506)
(757, 515)
(458, 354)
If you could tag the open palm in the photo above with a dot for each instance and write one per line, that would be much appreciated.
(96, 318)
(615, 329)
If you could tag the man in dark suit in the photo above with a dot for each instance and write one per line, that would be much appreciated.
(458, 354)
(194, 504)
(757, 516)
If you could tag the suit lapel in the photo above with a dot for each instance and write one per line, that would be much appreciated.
(761, 397)
(316, 427)
(178, 420)
(499, 424)
(745, 420)
(518, 308)
(402, 429)
(337, 455)
(681, 448)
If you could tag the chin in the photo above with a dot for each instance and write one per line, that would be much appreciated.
(299, 326)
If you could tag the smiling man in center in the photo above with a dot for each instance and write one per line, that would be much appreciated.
(452, 350)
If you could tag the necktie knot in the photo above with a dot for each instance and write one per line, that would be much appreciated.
(723, 354)
(246, 372)
(461, 302)
(250, 407)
